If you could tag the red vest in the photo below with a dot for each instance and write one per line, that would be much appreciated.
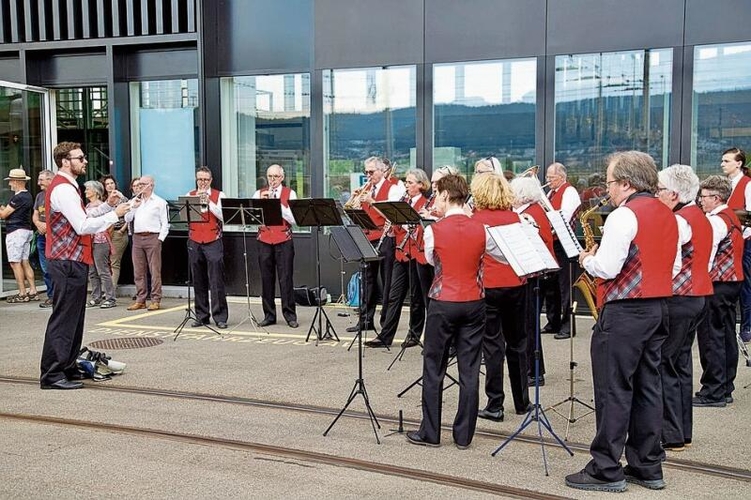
(737, 200)
(413, 245)
(728, 261)
(556, 199)
(459, 246)
(209, 230)
(381, 195)
(536, 211)
(63, 243)
(693, 278)
(273, 235)
(496, 274)
(647, 271)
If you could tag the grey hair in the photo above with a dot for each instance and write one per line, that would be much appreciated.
(681, 180)
(378, 163)
(492, 162)
(636, 168)
(421, 177)
(718, 184)
(445, 170)
(47, 174)
(559, 169)
(95, 186)
(526, 190)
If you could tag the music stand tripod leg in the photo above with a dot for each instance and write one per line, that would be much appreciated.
(189, 313)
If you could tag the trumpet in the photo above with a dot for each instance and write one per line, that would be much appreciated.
(355, 201)
(204, 200)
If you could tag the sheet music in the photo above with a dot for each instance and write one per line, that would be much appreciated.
(523, 248)
(565, 234)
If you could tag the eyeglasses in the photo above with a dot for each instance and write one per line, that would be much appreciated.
(369, 172)
(608, 183)
(660, 190)
(707, 195)
(79, 158)
(274, 176)
(202, 179)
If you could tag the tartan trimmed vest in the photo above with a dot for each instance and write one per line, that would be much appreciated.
(693, 279)
(209, 230)
(273, 235)
(737, 200)
(63, 243)
(536, 211)
(459, 246)
(728, 261)
(647, 271)
(497, 274)
(381, 195)
(414, 247)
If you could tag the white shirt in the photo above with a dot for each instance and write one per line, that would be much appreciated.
(277, 193)
(396, 191)
(150, 217)
(684, 236)
(570, 202)
(719, 231)
(746, 197)
(66, 199)
(490, 246)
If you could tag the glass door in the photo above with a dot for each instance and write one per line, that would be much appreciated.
(25, 142)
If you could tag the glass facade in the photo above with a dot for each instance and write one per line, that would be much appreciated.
(265, 121)
(164, 134)
(367, 112)
(721, 104)
(610, 102)
(483, 109)
(82, 115)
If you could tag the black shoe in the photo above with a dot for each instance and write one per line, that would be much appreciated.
(562, 335)
(355, 329)
(583, 481)
(414, 438)
(63, 385)
(461, 446)
(633, 477)
(673, 446)
(376, 343)
(221, 325)
(267, 322)
(410, 341)
(702, 402)
(524, 411)
(495, 416)
(531, 380)
(74, 375)
(729, 400)
(293, 324)
(548, 329)
(46, 304)
(198, 324)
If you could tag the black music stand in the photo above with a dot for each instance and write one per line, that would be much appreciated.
(244, 212)
(355, 247)
(317, 212)
(188, 209)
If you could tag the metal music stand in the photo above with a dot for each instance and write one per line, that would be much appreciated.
(317, 212)
(188, 209)
(355, 247)
(244, 212)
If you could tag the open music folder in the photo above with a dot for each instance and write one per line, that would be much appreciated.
(565, 233)
(523, 248)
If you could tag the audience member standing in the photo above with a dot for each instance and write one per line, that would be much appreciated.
(150, 228)
(118, 232)
(40, 221)
(100, 273)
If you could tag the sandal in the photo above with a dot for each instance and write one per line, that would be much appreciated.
(33, 296)
(17, 299)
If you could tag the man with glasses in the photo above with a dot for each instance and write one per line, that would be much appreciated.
(276, 252)
(150, 229)
(718, 348)
(206, 253)
(69, 256)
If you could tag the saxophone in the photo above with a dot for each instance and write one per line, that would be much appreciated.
(586, 283)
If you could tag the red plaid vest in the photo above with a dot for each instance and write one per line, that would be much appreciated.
(459, 246)
(496, 274)
(693, 278)
(63, 243)
(728, 261)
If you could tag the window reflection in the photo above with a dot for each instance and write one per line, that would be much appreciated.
(611, 102)
(367, 112)
(164, 127)
(485, 109)
(265, 121)
(721, 104)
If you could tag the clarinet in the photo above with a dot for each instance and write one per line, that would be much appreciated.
(387, 227)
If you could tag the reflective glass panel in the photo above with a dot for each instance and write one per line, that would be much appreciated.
(485, 109)
(721, 104)
(164, 131)
(611, 102)
(367, 112)
(265, 121)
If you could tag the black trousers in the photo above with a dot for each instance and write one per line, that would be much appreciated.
(207, 272)
(676, 367)
(625, 349)
(62, 339)
(277, 259)
(718, 347)
(462, 324)
(388, 250)
(425, 273)
(505, 337)
(404, 276)
(373, 270)
(558, 293)
(532, 316)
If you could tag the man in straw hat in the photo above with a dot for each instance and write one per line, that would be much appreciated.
(18, 242)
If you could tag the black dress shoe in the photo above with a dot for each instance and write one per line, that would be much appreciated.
(293, 324)
(410, 341)
(355, 329)
(376, 343)
(414, 438)
(562, 335)
(495, 416)
(76, 375)
(198, 324)
(524, 411)
(62, 384)
(267, 322)
(222, 325)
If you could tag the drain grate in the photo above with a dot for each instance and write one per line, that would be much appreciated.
(125, 343)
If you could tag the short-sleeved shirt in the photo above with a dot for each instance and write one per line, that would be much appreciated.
(39, 206)
(23, 203)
